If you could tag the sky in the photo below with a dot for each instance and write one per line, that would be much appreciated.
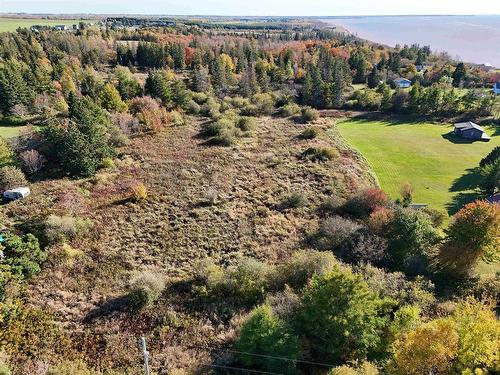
(254, 7)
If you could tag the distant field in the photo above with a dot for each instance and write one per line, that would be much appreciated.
(438, 165)
(11, 24)
(10, 131)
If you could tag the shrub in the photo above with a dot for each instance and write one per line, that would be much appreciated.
(21, 259)
(366, 368)
(476, 227)
(176, 118)
(437, 217)
(11, 177)
(364, 247)
(334, 231)
(108, 163)
(264, 103)
(294, 200)
(248, 280)
(139, 192)
(309, 133)
(411, 235)
(211, 108)
(320, 154)
(7, 156)
(151, 115)
(395, 285)
(365, 202)
(406, 191)
(379, 219)
(290, 109)
(250, 110)
(246, 123)
(65, 228)
(414, 356)
(125, 122)
(145, 289)
(193, 107)
(268, 336)
(32, 160)
(199, 97)
(66, 367)
(225, 137)
(302, 266)
(309, 114)
(332, 204)
(341, 317)
(284, 304)
(4, 369)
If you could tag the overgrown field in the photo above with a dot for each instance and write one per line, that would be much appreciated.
(11, 24)
(204, 201)
(439, 165)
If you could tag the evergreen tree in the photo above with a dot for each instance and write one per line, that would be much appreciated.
(80, 144)
(459, 75)
(200, 79)
(13, 88)
(248, 82)
(158, 86)
(374, 78)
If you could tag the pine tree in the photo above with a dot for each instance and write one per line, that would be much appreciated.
(200, 79)
(459, 75)
(374, 78)
(248, 82)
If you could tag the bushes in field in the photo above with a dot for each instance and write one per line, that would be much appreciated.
(20, 258)
(265, 334)
(65, 228)
(365, 202)
(11, 177)
(290, 109)
(320, 154)
(463, 343)
(145, 290)
(294, 200)
(309, 133)
(309, 115)
(228, 128)
(151, 115)
(336, 316)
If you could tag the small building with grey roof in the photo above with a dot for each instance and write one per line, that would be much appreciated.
(471, 130)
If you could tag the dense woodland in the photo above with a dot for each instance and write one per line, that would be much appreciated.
(370, 286)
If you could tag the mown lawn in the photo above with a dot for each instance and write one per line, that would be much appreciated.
(440, 166)
(11, 24)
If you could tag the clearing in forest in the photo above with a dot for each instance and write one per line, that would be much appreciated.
(441, 167)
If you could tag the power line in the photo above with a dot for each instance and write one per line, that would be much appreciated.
(243, 369)
(263, 356)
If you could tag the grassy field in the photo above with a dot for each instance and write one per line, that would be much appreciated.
(11, 24)
(440, 166)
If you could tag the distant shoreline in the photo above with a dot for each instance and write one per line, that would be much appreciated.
(463, 38)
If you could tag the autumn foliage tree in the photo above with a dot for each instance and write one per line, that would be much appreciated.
(474, 234)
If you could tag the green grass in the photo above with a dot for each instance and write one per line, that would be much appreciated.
(11, 24)
(440, 166)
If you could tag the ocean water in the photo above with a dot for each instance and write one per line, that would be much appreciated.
(473, 39)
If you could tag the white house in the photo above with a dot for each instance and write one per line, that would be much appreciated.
(402, 83)
(496, 88)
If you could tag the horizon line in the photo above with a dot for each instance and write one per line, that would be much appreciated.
(241, 15)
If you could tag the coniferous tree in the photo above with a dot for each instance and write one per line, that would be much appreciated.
(248, 82)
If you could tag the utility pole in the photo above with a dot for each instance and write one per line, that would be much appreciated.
(146, 356)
